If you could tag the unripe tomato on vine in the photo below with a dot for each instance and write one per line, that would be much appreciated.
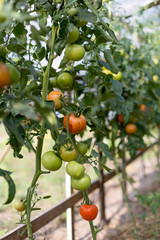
(56, 96)
(74, 52)
(88, 211)
(51, 161)
(81, 184)
(19, 206)
(73, 36)
(75, 169)
(68, 153)
(65, 80)
(131, 128)
(76, 124)
(82, 148)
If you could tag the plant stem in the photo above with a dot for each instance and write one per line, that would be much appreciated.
(38, 171)
(86, 198)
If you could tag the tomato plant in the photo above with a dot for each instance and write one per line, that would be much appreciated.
(88, 211)
(76, 124)
(44, 44)
(51, 161)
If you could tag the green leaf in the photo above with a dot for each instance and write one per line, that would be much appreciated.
(110, 61)
(47, 196)
(97, 172)
(11, 185)
(105, 167)
(117, 87)
(24, 109)
(87, 16)
(105, 149)
(94, 153)
(69, 2)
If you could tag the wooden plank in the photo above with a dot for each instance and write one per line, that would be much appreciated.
(51, 213)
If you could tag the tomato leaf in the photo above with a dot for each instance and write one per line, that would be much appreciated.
(11, 185)
(97, 172)
(24, 109)
(117, 87)
(94, 153)
(87, 16)
(110, 61)
(105, 149)
(105, 167)
(69, 2)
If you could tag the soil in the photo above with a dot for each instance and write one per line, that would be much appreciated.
(120, 226)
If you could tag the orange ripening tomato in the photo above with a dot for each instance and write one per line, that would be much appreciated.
(88, 211)
(75, 124)
(120, 118)
(131, 128)
(143, 107)
(5, 76)
(56, 97)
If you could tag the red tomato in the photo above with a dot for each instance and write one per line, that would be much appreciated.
(88, 211)
(120, 118)
(76, 124)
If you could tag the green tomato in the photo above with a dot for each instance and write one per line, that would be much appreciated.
(82, 183)
(82, 148)
(74, 52)
(73, 36)
(15, 74)
(88, 47)
(53, 82)
(72, 11)
(68, 68)
(75, 169)
(51, 161)
(81, 23)
(65, 80)
(68, 153)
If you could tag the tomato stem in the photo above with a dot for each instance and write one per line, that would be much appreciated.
(38, 170)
